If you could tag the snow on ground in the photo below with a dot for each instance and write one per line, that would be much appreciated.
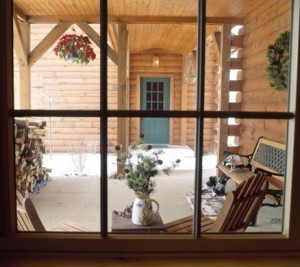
(67, 164)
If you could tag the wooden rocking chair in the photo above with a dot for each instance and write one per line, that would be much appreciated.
(239, 209)
(29, 221)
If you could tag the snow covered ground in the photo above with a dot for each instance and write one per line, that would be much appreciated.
(68, 164)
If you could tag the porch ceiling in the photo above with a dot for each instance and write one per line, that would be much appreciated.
(167, 25)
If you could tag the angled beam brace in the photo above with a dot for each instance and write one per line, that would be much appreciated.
(89, 31)
(19, 42)
(48, 41)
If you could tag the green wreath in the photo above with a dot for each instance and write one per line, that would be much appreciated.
(278, 58)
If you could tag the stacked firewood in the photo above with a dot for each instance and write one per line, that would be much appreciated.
(29, 150)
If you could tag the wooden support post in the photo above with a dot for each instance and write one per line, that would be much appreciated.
(224, 88)
(123, 88)
(25, 70)
(25, 87)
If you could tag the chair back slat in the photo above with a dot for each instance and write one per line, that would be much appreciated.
(27, 217)
(241, 205)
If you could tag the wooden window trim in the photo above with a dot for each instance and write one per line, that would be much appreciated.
(287, 243)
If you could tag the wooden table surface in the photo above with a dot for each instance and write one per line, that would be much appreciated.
(125, 225)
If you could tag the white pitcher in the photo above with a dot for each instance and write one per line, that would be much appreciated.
(142, 210)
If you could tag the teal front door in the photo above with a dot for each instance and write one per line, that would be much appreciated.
(155, 95)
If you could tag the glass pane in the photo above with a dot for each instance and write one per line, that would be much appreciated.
(150, 160)
(267, 154)
(58, 82)
(243, 70)
(58, 174)
(164, 48)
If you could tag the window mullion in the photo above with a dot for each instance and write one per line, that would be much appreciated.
(200, 119)
(103, 118)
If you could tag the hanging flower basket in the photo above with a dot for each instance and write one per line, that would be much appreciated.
(76, 48)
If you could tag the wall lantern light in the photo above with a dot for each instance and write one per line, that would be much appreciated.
(155, 61)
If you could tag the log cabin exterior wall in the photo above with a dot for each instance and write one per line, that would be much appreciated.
(72, 86)
(57, 84)
(60, 85)
(211, 98)
(170, 65)
(262, 28)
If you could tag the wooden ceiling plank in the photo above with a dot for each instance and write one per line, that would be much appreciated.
(70, 7)
(19, 43)
(48, 41)
(83, 7)
(43, 7)
(95, 37)
(137, 19)
(61, 8)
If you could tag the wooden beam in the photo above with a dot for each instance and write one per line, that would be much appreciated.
(224, 89)
(113, 34)
(236, 63)
(173, 20)
(136, 19)
(19, 14)
(123, 94)
(217, 40)
(25, 87)
(236, 85)
(19, 42)
(95, 37)
(237, 41)
(22, 47)
(48, 41)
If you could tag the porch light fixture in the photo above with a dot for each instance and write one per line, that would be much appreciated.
(155, 61)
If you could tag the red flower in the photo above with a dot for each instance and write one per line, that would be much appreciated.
(75, 47)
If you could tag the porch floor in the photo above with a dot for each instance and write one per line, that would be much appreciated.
(76, 197)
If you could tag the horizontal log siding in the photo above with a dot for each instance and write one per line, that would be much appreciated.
(170, 65)
(262, 28)
(57, 84)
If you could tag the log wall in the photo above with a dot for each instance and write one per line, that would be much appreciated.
(262, 28)
(170, 65)
(60, 85)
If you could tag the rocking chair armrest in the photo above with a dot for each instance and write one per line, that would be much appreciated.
(267, 172)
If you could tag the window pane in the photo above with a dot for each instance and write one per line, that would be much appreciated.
(266, 154)
(242, 72)
(57, 174)
(171, 192)
(53, 83)
(159, 50)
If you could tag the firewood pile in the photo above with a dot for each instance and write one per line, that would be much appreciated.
(29, 150)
